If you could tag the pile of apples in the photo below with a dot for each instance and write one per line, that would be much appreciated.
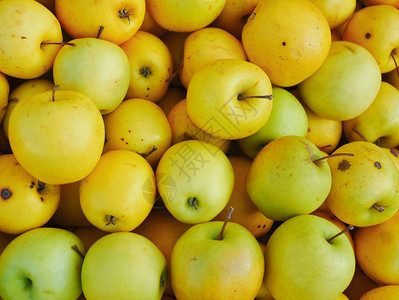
(199, 149)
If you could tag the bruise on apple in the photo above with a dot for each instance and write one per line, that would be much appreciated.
(5, 193)
(344, 165)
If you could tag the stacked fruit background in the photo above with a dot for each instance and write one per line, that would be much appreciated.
(199, 149)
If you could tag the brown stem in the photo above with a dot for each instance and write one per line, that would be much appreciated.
(241, 97)
(349, 227)
(361, 135)
(100, 30)
(332, 155)
(75, 247)
(378, 208)
(56, 43)
(56, 88)
(220, 236)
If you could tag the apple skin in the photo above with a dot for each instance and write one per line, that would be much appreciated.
(203, 267)
(367, 178)
(301, 264)
(97, 68)
(346, 96)
(184, 170)
(24, 27)
(287, 117)
(123, 265)
(48, 269)
(283, 181)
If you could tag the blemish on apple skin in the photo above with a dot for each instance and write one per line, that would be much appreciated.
(344, 165)
(5, 194)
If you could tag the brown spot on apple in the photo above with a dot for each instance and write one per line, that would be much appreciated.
(344, 165)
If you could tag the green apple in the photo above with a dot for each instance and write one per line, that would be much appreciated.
(195, 181)
(345, 85)
(124, 265)
(208, 265)
(30, 37)
(57, 136)
(97, 68)
(229, 99)
(287, 179)
(364, 190)
(379, 123)
(288, 117)
(43, 263)
(304, 261)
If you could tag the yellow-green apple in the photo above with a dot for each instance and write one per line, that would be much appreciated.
(138, 125)
(23, 91)
(25, 202)
(210, 261)
(184, 129)
(205, 45)
(57, 136)
(186, 16)
(287, 118)
(324, 133)
(305, 259)
(364, 190)
(245, 212)
(30, 37)
(294, 43)
(151, 66)
(359, 285)
(120, 19)
(184, 170)
(161, 228)
(378, 123)
(336, 11)
(119, 193)
(4, 91)
(229, 98)
(172, 96)
(48, 268)
(69, 212)
(346, 96)
(394, 3)
(377, 251)
(234, 16)
(373, 27)
(390, 292)
(286, 178)
(97, 68)
(124, 266)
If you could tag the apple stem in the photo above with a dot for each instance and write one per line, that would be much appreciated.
(378, 208)
(361, 135)
(332, 155)
(56, 43)
(349, 227)
(241, 97)
(56, 88)
(100, 30)
(110, 220)
(220, 236)
(75, 247)
(394, 60)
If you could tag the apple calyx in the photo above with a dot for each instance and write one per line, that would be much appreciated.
(58, 43)
(331, 155)
(75, 247)
(349, 227)
(378, 208)
(5, 194)
(242, 97)
(100, 30)
(145, 71)
(56, 88)
(220, 236)
(110, 220)
(193, 202)
(124, 14)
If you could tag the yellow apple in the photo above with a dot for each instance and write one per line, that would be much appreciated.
(151, 66)
(294, 43)
(81, 19)
(30, 37)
